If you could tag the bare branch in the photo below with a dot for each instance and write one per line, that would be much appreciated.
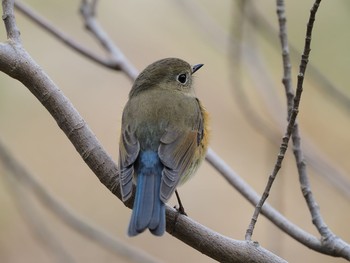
(303, 177)
(88, 12)
(60, 35)
(272, 177)
(287, 67)
(218, 247)
(115, 62)
(8, 16)
(328, 238)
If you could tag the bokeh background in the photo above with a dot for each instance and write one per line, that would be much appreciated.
(197, 31)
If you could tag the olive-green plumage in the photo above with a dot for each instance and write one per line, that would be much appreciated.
(163, 140)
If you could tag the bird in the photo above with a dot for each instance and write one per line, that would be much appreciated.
(164, 138)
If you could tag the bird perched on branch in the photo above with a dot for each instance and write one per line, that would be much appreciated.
(164, 138)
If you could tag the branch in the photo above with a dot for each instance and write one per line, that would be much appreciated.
(10, 22)
(287, 67)
(329, 239)
(88, 11)
(215, 245)
(272, 177)
(114, 61)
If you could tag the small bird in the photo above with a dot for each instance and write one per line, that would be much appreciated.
(164, 138)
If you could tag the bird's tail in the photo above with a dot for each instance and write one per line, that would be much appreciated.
(149, 210)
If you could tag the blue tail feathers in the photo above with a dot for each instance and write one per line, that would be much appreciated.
(149, 210)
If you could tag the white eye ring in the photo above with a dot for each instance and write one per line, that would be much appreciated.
(182, 78)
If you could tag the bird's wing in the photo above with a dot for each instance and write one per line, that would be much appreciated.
(177, 151)
(129, 148)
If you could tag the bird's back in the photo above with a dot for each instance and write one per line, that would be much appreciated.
(153, 112)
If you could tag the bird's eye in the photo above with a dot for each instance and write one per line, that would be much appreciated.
(182, 78)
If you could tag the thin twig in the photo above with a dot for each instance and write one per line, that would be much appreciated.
(278, 165)
(88, 11)
(327, 235)
(111, 62)
(10, 21)
(287, 67)
(60, 35)
(299, 156)
(292, 116)
(268, 32)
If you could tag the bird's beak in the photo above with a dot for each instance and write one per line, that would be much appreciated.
(196, 67)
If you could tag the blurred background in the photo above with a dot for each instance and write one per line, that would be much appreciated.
(240, 85)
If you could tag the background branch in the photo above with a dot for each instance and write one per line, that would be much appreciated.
(115, 59)
(88, 12)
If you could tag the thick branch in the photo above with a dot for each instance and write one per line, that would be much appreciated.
(213, 244)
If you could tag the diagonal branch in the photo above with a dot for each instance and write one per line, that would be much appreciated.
(88, 12)
(115, 62)
(328, 238)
